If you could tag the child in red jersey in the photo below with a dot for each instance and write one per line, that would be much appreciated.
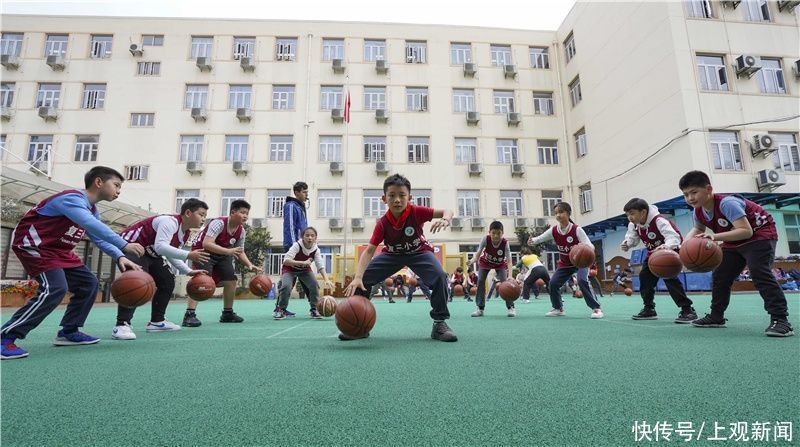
(494, 253)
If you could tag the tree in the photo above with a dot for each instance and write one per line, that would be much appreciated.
(524, 233)
(256, 243)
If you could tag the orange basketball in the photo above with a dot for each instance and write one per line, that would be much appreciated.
(201, 287)
(355, 316)
(473, 290)
(665, 263)
(411, 281)
(458, 290)
(540, 282)
(699, 254)
(509, 290)
(578, 294)
(327, 306)
(629, 291)
(388, 282)
(581, 255)
(260, 285)
(133, 288)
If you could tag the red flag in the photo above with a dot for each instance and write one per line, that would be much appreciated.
(347, 108)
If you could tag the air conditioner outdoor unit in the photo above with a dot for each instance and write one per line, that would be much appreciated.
(763, 144)
(241, 167)
(517, 169)
(746, 65)
(381, 116)
(477, 222)
(475, 169)
(203, 63)
(6, 113)
(540, 222)
(357, 223)
(336, 167)
(246, 63)
(469, 69)
(48, 113)
(337, 65)
(456, 223)
(381, 167)
(199, 114)
(136, 49)
(335, 224)
(56, 61)
(787, 6)
(796, 68)
(243, 114)
(731, 3)
(194, 167)
(259, 223)
(336, 115)
(769, 179)
(521, 222)
(510, 71)
(473, 117)
(9, 61)
(381, 66)
(513, 118)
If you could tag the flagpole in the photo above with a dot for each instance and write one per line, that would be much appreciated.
(346, 171)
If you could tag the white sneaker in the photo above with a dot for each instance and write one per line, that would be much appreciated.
(555, 313)
(597, 313)
(512, 312)
(123, 332)
(477, 313)
(162, 326)
(526, 301)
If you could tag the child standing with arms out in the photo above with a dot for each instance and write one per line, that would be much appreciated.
(400, 230)
(297, 266)
(566, 235)
(748, 237)
(656, 232)
(493, 253)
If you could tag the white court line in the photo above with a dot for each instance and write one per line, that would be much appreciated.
(287, 329)
(645, 325)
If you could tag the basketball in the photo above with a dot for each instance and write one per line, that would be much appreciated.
(665, 263)
(201, 287)
(327, 306)
(509, 290)
(260, 285)
(458, 290)
(578, 294)
(388, 282)
(473, 290)
(699, 254)
(133, 288)
(411, 281)
(581, 255)
(629, 291)
(540, 282)
(355, 316)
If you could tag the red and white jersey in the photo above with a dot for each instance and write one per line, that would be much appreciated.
(651, 236)
(494, 257)
(144, 232)
(564, 243)
(224, 238)
(405, 235)
(760, 221)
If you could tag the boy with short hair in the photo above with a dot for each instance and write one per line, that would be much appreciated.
(400, 230)
(748, 237)
(44, 240)
(494, 253)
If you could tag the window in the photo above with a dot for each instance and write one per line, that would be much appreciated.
(228, 196)
(196, 96)
(202, 46)
(280, 148)
(419, 150)
(770, 77)
(569, 47)
(330, 97)
(416, 52)
(143, 119)
(239, 96)
(283, 97)
(39, 150)
(575, 91)
(725, 151)
(792, 223)
(543, 104)
(374, 50)
(7, 94)
(466, 150)
(756, 10)
(699, 8)
(236, 147)
(469, 203)
(540, 57)
(548, 152)
(549, 200)
(463, 100)
(422, 197)
(417, 99)
(148, 68)
(152, 40)
(56, 45)
(501, 55)
(101, 47)
(787, 157)
(503, 101)
(86, 147)
(332, 49)
(373, 205)
(137, 172)
(2, 146)
(49, 95)
(511, 203)
(276, 198)
(243, 47)
(11, 44)
(374, 149)
(330, 202)
(286, 49)
(327, 253)
(507, 151)
(712, 73)
(585, 193)
(330, 148)
(94, 96)
(580, 143)
(374, 98)
(460, 53)
(191, 147)
(182, 195)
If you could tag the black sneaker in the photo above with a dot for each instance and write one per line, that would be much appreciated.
(344, 337)
(315, 315)
(647, 313)
(391, 301)
(709, 321)
(230, 317)
(779, 328)
(441, 331)
(190, 320)
(686, 316)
